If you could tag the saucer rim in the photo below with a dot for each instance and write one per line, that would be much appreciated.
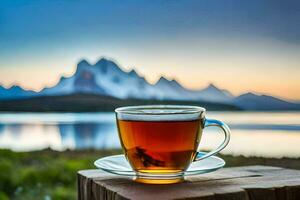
(188, 172)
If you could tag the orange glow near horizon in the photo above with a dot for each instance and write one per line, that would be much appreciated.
(283, 87)
(264, 67)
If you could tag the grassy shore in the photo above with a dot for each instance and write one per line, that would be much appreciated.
(49, 174)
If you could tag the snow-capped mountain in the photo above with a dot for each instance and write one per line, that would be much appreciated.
(106, 78)
(213, 94)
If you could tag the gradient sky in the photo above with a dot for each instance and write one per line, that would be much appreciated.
(238, 45)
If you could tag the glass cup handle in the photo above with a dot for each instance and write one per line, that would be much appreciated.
(226, 131)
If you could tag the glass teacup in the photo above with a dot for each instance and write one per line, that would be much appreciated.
(163, 139)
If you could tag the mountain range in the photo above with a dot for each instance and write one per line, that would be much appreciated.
(108, 79)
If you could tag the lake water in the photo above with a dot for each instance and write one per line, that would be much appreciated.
(271, 134)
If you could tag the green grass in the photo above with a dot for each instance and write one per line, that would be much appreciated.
(49, 174)
(43, 174)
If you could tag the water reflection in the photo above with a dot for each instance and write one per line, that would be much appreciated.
(1, 129)
(88, 135)
(252, 133)
(26, 137)
(266, 143)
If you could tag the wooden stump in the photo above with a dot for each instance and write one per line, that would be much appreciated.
(240, 183)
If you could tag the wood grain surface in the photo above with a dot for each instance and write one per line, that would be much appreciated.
(240, 183)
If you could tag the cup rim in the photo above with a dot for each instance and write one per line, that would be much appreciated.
(169, 109)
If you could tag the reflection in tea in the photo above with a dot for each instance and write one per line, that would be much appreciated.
(160, 146)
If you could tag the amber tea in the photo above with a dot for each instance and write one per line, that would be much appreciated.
(160, 146)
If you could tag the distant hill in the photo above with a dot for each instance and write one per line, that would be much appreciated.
(15, 92)
(92, 103)
(106, 78)
(250, 101)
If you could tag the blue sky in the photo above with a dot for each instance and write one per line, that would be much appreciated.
(255, 43)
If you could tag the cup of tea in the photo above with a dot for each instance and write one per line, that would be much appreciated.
(163, 139)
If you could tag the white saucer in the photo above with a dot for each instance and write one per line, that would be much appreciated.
(119, 165)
